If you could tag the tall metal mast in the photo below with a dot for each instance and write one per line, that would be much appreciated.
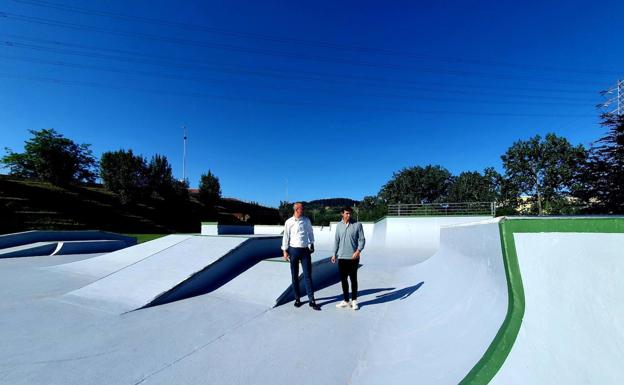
(184, 157)
(617, 99)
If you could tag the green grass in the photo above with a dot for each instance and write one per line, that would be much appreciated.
(145, 237)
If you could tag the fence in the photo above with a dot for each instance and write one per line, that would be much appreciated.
(441, 209)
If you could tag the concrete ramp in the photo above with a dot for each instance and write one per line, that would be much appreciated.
(184, 267)
(262, 284)
(445, 312)
(572, 328)
(103, 265)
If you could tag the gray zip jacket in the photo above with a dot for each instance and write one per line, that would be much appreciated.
(349, 237)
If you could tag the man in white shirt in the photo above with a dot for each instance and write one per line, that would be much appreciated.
(297, 246)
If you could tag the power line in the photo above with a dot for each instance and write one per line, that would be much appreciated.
(280, 75)
(292, 55)
(565, 102)
(321, 44)
(281, 102)
(305, 75)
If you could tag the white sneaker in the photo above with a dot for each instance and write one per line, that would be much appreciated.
(342, 305)
(354, 304)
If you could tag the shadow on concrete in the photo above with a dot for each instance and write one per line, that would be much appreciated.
(392, 296)
(338, 298)
(324, 274)
(219, 272)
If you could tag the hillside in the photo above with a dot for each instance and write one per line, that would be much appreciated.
(332, 202)
(27, 205)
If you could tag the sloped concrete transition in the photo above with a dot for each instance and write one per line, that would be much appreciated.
(443, 301)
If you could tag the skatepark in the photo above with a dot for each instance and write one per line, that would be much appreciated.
(443, 300)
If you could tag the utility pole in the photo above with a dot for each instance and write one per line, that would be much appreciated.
(615, 97)
(184, 156)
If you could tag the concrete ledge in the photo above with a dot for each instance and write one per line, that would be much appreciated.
(29, 250)
(28, 237)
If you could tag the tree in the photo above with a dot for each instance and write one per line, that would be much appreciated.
(544, 169)
(51, 157)
(602, 182)
(160, 177)
(180, 189)
(474, 187)
(417, 185)
(125, 174)
(285, 210)
(209, 189)
(372, 208)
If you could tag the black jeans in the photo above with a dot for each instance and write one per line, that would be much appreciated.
(301, 254)
(348, 268)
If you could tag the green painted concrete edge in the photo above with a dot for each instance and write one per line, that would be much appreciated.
(499, 349)
(433, 216)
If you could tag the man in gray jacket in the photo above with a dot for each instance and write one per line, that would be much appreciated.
(348, 245)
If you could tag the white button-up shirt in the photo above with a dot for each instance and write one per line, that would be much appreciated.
(297, 233)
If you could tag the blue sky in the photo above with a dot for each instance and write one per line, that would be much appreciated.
(307, 100)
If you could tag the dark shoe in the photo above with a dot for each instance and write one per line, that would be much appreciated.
(298, 303)
(314, 306)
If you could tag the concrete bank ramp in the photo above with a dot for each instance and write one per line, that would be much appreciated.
(444, 314)
(177, 267)
(112, 262)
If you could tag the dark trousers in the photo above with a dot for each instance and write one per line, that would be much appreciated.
(301, 254)
(348, 268)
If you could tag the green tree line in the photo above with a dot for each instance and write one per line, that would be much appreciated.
(542, 175)
(49, 156)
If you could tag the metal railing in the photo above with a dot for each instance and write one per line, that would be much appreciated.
(442, 209)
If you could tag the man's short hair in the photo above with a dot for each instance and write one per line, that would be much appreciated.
(297, 203)
(347, 208)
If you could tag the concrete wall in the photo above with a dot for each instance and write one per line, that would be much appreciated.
(268, 229)
(217, 229)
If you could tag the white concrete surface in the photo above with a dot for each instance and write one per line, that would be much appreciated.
(573, 327)
(425, 323)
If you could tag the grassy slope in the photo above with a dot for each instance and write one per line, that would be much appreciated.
(27, 205)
